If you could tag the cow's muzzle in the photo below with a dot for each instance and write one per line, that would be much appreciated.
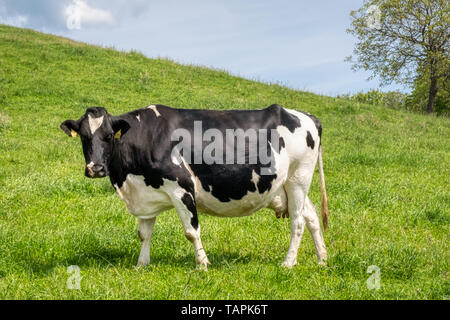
(95, 171)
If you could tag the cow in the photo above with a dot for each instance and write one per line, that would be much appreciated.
(152, 171)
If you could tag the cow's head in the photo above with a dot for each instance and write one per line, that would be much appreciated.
(98, 131)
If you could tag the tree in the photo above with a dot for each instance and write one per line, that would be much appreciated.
(417, 99)
(398, 39)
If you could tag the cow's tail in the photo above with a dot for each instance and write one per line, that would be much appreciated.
(324, 191)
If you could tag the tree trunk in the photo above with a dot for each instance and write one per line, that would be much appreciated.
(432, 94)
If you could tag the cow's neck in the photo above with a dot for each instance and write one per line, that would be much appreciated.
(121, 164)
(116, 171)
(129, 157)
(124, 162)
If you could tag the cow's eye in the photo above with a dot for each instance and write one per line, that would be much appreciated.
(109, 137)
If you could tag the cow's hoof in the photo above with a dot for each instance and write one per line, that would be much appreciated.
(322, 263)
(143, 263)
(203, 265)
(289, 264)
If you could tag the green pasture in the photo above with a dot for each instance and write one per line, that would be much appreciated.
(387, 174)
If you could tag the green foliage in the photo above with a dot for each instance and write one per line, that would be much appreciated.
(417, 101)
(391, 99)
(386, 173)
(398, 39)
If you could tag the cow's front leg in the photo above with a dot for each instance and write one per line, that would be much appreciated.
(145, 232)
(187, 212)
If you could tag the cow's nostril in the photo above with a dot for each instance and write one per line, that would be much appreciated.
(97, 168)
(101, 173)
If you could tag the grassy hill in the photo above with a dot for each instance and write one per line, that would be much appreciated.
(387, 175)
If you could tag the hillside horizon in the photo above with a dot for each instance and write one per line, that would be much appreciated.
(209, 67)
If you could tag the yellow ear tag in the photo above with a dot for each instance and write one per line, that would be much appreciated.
(73, 133)
(118, 134)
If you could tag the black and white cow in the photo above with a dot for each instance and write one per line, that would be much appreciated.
(136, 150)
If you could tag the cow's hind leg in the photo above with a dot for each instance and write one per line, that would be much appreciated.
(188, 215)
(313, 224)
(145, 232)
(296, 198)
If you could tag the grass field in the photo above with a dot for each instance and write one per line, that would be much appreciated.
(387, 174)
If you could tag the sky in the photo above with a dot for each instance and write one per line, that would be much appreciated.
(296, 43)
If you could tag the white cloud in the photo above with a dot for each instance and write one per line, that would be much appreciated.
(79, 13)
(12, 20)
(16, 21)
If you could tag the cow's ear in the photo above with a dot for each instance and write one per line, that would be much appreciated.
(120, 127)
(70, 127)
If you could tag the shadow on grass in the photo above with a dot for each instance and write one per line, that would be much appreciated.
(103, 257)
(218, 259)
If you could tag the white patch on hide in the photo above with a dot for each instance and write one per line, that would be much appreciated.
(95, 123)
(153, 107)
